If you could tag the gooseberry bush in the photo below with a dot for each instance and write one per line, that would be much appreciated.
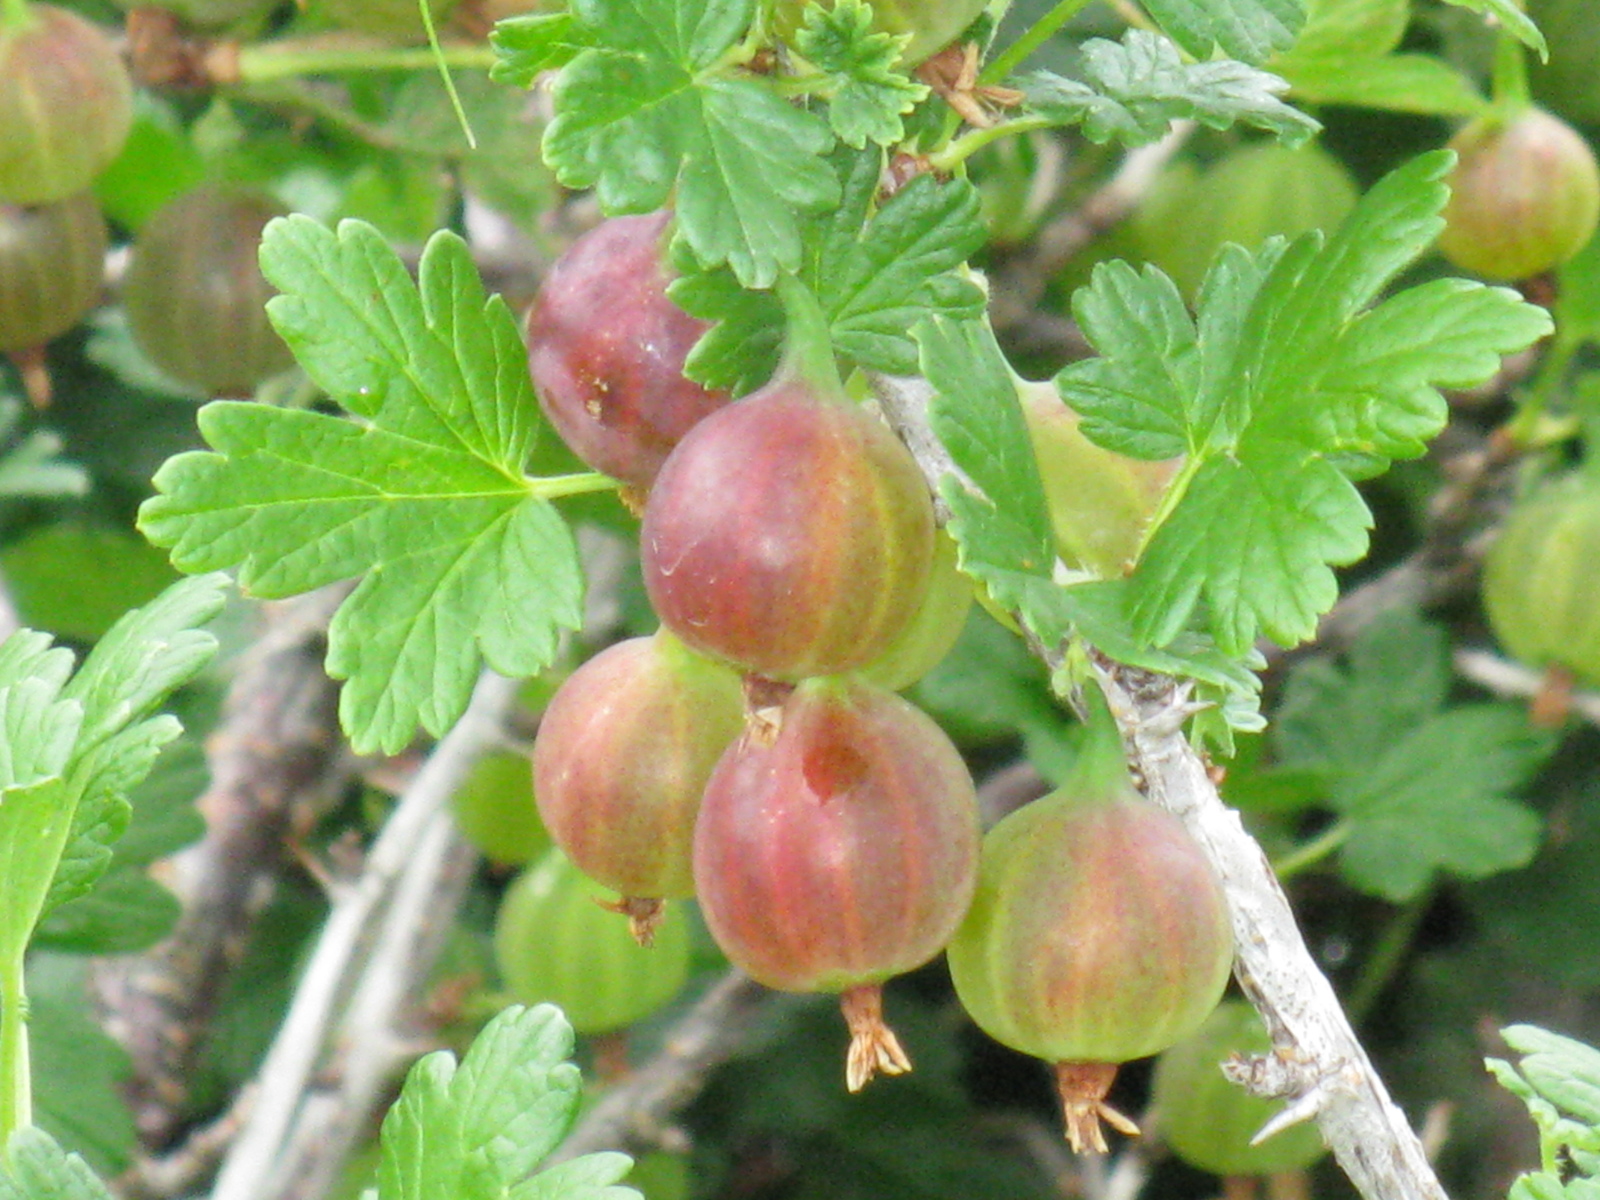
(758, 551)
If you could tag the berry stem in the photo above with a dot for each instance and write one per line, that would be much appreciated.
(873, 1045)
(289, 58)
(965, 146)
(1042, 31)
(808, 340)
(644, 913)
(1386, 957)
(1082, 1087)
(1510, 95)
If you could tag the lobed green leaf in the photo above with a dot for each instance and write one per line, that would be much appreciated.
(1283, 387)
(462, 560)
(646, 113)
(867, 93)
(1248, 30)
(1134, 90)
(874, 274)
(1421, 787)
(36, 1168)
(477, 1132)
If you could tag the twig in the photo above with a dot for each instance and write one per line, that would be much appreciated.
(191, 1164)
(276, 747)
(372, 1051)
(1318, 1062)
(636, 1114)
(253, 1168)
(1505, 678)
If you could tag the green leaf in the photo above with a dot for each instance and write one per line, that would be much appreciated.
(1342, 30)
(464, 559)
(650, 108)
(1248, 30)
(1439, 800)
(1509, 14)
(1134, 90)
(1281, 388)
(1344, 55)
(36, 1168)
(588, 1178)
(475, 1133)
(866, 91)
(874, 273)
(1566, 1072)
(126, 912)
(999, 516)
(78, 1071)
(35, 823)
(528, 45)
(1420, 787)
(143, 657)
(1412, 83)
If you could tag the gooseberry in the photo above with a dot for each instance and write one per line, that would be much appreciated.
(606, 350)
(1099, 934)
(65, 108)
(1524, 198)
(52, 258)
(1539, 580)
(1101, 502)
(837, 847)
(1207, 1119)
(789, 532)
(195, 295)
(623, 753)
(555, 943)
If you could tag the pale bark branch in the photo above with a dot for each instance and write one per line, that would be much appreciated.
(1319, 1064)
(352, 950)
(275, 750)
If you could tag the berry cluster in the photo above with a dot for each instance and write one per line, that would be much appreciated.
(753, 752)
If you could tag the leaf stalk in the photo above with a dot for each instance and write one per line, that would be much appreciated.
(969, 143)
(553, 487)
(291, 58)
(1042, 31)
(16, 1087)
(1312, 852)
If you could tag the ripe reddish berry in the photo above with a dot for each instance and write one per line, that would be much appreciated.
(606, 349)
(838, 847)
(623, 753)
(790, 533)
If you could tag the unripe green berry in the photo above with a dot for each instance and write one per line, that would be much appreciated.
(1524, 198)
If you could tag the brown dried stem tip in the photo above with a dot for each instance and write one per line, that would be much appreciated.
(1083, 1087)
(873, 1045)
(644, 913)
